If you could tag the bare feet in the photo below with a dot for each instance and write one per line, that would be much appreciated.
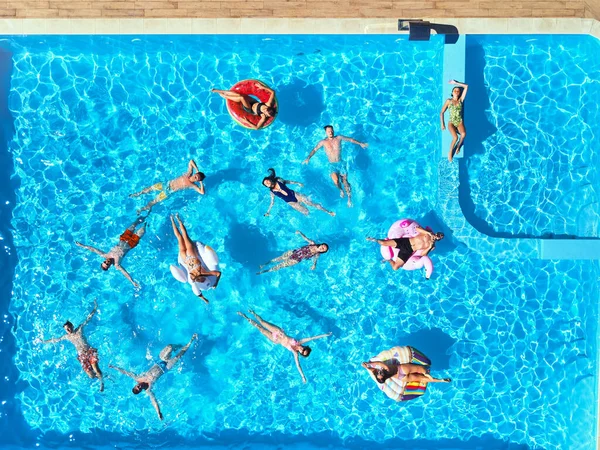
(331, 213)
(349, 203)
(371, 239)
(341, 193)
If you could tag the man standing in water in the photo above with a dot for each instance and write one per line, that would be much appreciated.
(146, 380)
(87, 355)
(186, 181)
(128, 240)
(333, 150)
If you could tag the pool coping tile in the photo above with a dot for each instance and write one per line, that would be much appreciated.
(480, 25)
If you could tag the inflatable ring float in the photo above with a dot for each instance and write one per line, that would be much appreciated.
(236, 109)
(392, 387)
(407, 228)
(208, 259)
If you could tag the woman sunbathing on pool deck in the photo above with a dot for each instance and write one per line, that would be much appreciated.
(278, 187)
(278, 336)
(293, 257)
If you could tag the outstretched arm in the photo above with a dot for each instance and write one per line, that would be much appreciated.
(293, 182)
(91, 249)
(384, 242)
(305, 238)
(354, 141)
(55, 340)
(90, 315)
(299, 367)
(320, 336)
(126, 274)
(270, 204)
(154, 403)
(312, 152)
(124, 372)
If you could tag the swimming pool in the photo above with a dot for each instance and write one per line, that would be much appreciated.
(97, 118)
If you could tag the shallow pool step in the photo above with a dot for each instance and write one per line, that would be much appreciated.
(454, 69)
(570, 249)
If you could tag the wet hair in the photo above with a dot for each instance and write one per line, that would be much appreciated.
(201, 176)
(326, 245)
(273, 178)
(305, 350)
(272, 111)
(197, 278)
(110, 262)
(328, 126)
(382, 375)
(140, 387)
(439, 235)
(69, 324)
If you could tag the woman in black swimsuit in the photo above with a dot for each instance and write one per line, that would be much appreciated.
(252, 105)
(278, 187)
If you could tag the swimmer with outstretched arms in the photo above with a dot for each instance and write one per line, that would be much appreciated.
(293, 257)
(127, 241)
(146, 380)
(186, 181)
(86, 354)
(278, 336)
(423, 242)
(333, 149)
(278, 187)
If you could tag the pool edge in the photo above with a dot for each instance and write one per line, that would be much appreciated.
(292, 26)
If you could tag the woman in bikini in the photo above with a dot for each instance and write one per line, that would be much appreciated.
(456, 124)
(293, 257)
(404, 373)
(278, 336)
(189, 255)
(252, 105)
(278, 188)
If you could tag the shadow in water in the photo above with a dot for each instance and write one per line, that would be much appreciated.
(247, 245)
(300, 104)
(432, 342)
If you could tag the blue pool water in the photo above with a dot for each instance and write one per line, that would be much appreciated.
(90, 120)
(535, 150)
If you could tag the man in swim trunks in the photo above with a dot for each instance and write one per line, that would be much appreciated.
(128, 240)
(186, 181)
(333, 150)
(424, 241)
(146, 380)
(87, 355)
